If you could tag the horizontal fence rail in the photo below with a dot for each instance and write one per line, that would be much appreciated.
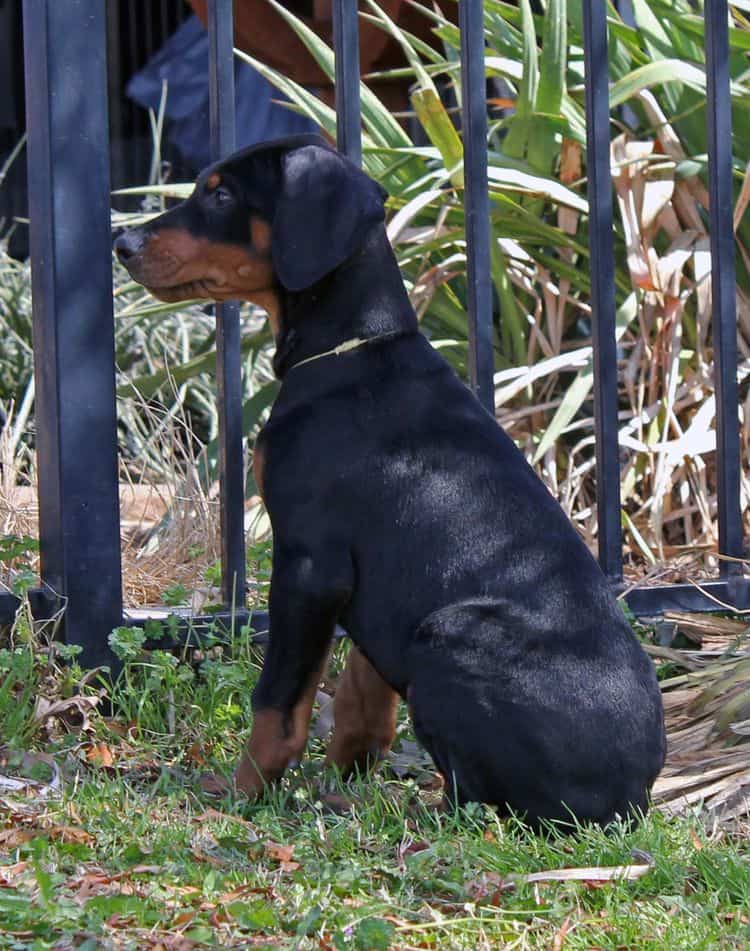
(74, 344)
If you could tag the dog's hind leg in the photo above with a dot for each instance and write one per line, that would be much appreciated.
(365, 716)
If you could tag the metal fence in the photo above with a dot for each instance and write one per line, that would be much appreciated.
(66, 85)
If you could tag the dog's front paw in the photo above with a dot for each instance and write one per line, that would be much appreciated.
(248, 780)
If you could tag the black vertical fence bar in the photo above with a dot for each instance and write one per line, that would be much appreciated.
(724, 317)
(346, 46)
(476, 201)
(601, 247)
(70, 239)
(228, 355)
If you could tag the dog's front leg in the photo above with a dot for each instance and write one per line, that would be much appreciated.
(308, 590)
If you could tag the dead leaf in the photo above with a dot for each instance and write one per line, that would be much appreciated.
(195, 754)
(32, 788)
(559, 940)
(242, 891)
(706, 624)
(570, 161)
(100, 755)
(12, 838)
(280, 853)
(73, 834)
(9, 873)
(591, 874)
(337, 803)
(72, 712)
(100, 883)
(488, 888)
(742, 199)
(116, 727)
(698, 845)
(216, 815)
(410, 847)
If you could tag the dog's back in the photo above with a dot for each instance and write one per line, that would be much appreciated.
(475, 597)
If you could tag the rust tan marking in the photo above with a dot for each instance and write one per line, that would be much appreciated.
(364, 710)
(259, 465)
(260, 234)
(266, 756)
(213, 181)
(177, 266)
(272, 746)
(270, 303)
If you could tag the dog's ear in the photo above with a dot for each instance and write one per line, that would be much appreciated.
(324, 210)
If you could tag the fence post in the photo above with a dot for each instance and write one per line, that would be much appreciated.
(477, 202)
(71, 258)
(228, 354)
(346, 47)
(601, 247)
(723, 289)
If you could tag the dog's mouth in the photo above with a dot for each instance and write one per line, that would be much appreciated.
(201, 289)
(240, 279)
(169, 284)
(170, 277)
(174, 266)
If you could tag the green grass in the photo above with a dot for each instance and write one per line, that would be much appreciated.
(137, 859)
(130, 854)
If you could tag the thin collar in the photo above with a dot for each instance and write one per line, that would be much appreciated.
(354, 344)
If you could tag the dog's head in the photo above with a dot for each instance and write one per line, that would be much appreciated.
(281, 215)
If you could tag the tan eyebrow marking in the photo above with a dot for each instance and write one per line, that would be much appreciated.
(260, 234)
(213, 181)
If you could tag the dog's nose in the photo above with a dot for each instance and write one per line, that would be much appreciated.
(128, 245)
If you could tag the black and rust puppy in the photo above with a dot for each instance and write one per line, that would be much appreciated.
(402, 511)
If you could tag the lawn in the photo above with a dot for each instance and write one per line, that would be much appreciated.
(106, 840)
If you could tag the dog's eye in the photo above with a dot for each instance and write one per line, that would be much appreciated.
(221, 195)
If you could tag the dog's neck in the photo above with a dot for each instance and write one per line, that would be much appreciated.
(365, 297)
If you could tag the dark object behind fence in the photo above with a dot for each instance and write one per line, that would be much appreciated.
(75, 409)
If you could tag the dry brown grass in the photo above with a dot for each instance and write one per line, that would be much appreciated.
(169, 529)
(707, 706)
(18, 510)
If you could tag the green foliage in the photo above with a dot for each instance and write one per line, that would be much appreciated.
(17, 571)
(539, 225)
(207, 684)
(127, 642)
(133, 847)
(14, 547)
(20, 668)
(175, 594)
(540, 261)
(154, 858)
(374, 934)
